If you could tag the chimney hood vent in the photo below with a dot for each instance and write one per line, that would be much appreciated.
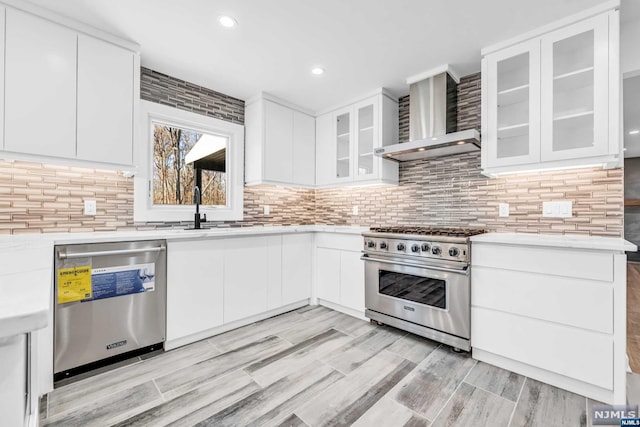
(432, 123)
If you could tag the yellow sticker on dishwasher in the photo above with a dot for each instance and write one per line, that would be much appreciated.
(74, 284)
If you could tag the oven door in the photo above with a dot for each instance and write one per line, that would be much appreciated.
(432, 296)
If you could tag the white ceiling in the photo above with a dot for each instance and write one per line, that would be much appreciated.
(362, 44)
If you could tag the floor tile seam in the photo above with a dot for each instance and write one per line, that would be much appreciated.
(158, 390)
(417, 363)
(190, 365)
(75, 408)
(112, 371)
(375, 387)
(66, 412)
(475, 362)
(215, 347)
(513, 412)
(490, 392)
(333, 367)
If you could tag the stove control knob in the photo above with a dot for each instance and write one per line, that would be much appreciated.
(454, 251)
(426, 247)
(401, 247)
(415, 248)
(383, 245)
(371, 244)
(436, 250)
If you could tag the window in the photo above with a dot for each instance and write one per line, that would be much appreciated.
(180, 151)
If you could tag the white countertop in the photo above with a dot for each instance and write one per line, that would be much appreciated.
(26, 265)
(25, 285)
(615, 244)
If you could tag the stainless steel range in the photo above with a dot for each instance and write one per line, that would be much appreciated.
(418, 279)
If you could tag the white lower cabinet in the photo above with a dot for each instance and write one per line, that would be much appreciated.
(552, 314)
(352, 280)
(249, 276)
(217, 284)
(328, 277)
(194, 287)
(340, 272)
(296, 267)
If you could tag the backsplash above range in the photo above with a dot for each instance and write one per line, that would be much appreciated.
(447, 191)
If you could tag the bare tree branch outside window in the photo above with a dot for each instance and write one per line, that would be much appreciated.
(173, 179)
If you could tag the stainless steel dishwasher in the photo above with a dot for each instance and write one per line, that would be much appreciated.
(110, 302)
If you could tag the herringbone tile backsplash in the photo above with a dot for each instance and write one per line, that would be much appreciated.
(449, 191)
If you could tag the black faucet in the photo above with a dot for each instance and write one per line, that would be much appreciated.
(196, 200)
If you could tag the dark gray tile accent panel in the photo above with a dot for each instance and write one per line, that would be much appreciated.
(167, 90)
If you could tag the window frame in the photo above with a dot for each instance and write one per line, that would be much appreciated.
(144, 210)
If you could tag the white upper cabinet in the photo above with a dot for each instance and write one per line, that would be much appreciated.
(346, 140)
(68, 95)
(512, 88)
(40, 86)
(105, 101)
(552, 100)
(575, 79)
(280, 144)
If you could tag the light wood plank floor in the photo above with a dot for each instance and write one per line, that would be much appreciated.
(633, 315)
(311, 367)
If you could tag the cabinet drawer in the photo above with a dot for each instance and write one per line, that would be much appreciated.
(555, 262)
(345, 242)
(576, 353)
(582, 303)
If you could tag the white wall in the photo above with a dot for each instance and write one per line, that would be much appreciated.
(629, 52)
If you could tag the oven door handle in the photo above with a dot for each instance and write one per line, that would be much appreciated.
(406, 264)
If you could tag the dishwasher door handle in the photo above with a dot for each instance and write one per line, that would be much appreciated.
(64, 255)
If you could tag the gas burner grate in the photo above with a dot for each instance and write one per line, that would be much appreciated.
(430, 231)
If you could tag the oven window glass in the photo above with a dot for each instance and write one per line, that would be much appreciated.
(424, 290)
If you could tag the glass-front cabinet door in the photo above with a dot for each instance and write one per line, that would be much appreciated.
(512, 130)
(574, 99)
(344, 142)
(366, 132)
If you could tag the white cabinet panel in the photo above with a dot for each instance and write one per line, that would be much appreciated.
(304, 149)
(575, 353)
(552, 101)
(328, 274)
(2, 74)
(346, 140)
(345, 242)
(325, 150)
(245, 277)
(105, 101)
(589, 265)
(274, 273)
(582, 303)
(575, 79)
(194, 287)
(351, 280)
(278, 145)
(512, 105)
(13, 357)
(296, 267)
(40, 86)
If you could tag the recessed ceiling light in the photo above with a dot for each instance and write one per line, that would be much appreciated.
(634, 132)
(227, 21)
(421, 149)
(317, 71)
(434, 138)
(460, 142)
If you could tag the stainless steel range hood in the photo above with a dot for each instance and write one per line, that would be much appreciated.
(432, 123)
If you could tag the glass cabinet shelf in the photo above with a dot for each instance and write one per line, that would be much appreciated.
(513, 95)
(573, 116)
